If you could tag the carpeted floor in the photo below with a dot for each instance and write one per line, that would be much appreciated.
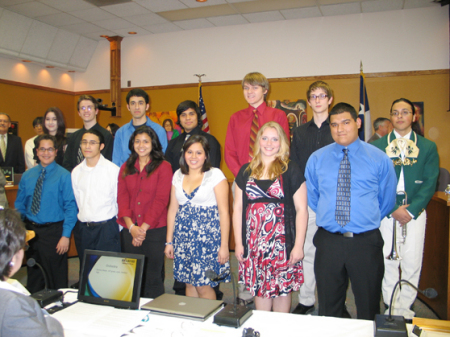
(420, 308)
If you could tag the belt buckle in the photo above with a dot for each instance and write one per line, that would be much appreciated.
(348, 235)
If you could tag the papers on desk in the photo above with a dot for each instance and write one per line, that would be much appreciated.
(98, 320)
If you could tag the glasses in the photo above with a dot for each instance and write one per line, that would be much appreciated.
(320, 97)
(90, 142)
(49, 150)
(402, 113)
(87, 108)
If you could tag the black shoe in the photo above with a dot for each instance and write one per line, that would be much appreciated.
(301, 309)
(244, 303)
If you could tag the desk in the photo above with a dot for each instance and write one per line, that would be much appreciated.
(267, 323)
(436, 265)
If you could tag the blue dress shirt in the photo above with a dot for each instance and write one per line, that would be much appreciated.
(57, 198)
(373, 186)
(121, 151)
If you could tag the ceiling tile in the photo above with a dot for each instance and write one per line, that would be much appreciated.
(301, 13)
(195, 3)
(63, 46)
(419, 3)
(198, 13)
(341, 9)
(194, 24)
(162, 28)
(33, 9)
(39, 39)
(228, 20)
(96, 35)
(83, 52)
(6, 3)
(83, 28)
(381, 5)
(60, 19)
(161, 5)
(14, 28)
(264, 16)
(93, 14)
(68, 5)
(146, 19)
(112, 24)
(334, 2)
(124, 32)
(126, 9)
(270, 5)
(234, 1)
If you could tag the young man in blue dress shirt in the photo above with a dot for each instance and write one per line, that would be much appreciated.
(349, 209)
(138, 104)
(51, 212)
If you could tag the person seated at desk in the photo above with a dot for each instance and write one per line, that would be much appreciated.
(20, 315)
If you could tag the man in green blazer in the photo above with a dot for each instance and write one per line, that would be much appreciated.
(416, 163)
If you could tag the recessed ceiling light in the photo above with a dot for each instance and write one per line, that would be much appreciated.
(105, 36)
(71, 71)
(49, 67)
(201, 0)
(132, 33)
(26, 61)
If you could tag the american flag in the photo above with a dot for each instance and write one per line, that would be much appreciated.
(201, 105)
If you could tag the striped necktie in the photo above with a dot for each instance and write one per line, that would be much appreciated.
(343, 194)
(3, 146)
(36, 202)
(253, 132)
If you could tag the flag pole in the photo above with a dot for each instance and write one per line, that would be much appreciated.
(201, 104)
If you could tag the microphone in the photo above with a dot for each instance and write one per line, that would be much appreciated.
(44, 297)
(231, 315)
(395, 325)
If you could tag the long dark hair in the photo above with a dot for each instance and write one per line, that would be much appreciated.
(156, 154)
(12, 239)
(61, 130)
(205, 145)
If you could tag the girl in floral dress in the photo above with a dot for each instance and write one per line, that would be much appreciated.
(269, 219)
(198, 221)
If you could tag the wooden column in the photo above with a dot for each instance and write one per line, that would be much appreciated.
(115, 73)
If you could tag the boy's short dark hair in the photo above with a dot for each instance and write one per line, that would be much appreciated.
(138, 92)
(97, 133)
(344, 107)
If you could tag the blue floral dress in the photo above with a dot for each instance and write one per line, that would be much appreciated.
(197, 235)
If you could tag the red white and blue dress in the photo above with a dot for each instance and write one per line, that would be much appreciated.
(265, 271)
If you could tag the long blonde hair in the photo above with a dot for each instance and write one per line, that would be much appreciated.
(280, 164)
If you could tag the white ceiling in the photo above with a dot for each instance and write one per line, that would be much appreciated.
(160, 16)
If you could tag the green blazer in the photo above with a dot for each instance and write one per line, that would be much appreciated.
(420, 174)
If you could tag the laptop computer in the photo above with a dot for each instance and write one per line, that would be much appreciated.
(182, 306)
(111, 278)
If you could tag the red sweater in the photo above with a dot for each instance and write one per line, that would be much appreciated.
(145, 199)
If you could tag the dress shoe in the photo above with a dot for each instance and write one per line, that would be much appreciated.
(301, 309)
(242, 302)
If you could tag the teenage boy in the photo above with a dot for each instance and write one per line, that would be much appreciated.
(416, 163)
(29, 144)
(87, 107)
(190, 120)
(46, 202)
(308, 138)
(241, 133)
(94, 183)
(137, 104)
(351, 187)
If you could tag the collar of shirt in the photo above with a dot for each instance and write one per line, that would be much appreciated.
(259, 110)
(353, 148)
(312, 123)
(195, 131)
(407, 136)
(7, 286)
(49, 168)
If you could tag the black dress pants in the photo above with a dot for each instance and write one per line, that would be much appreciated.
(153, 249)
(339, 258)
(42, 248)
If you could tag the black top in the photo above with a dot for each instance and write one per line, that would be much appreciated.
(173, 151)
(73, 144)
(292, 180)
(307, 139)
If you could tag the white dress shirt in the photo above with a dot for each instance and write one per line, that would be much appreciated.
(95, 190)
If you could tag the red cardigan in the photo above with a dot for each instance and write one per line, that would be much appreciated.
(145, 199)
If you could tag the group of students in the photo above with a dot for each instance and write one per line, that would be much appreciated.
(303, 210)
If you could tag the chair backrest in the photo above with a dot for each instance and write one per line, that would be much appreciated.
(443, 179)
